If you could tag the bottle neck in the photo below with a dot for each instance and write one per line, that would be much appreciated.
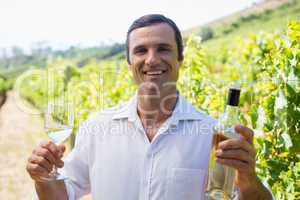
(231, 116)
(231, 110)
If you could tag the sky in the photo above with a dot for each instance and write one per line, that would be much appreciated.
(62, 23)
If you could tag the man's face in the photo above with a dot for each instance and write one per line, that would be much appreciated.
(153, 56)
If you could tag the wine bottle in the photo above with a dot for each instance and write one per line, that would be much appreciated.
(220, 180)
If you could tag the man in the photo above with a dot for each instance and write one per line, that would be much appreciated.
(156, 146)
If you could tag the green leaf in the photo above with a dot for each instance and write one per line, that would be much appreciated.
(287, 140)
(280, 101)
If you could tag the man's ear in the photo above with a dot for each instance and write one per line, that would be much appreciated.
(181, 61)
(128, 60)
(129, 66)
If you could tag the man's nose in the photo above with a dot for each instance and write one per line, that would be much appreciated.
(152, 58)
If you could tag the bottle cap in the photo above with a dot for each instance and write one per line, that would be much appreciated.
(233, 97)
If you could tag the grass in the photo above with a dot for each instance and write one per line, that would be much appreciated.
(13, 73)
(226, 33)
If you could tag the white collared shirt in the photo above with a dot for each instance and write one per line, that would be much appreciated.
(114, 160)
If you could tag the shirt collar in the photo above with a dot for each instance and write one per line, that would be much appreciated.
(182, 111)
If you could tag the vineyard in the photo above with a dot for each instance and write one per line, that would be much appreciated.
(266, 64)
(4, 85)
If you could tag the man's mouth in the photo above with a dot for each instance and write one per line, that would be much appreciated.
(154, 73)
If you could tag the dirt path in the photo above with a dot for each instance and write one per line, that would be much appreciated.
(20, 132)
(21, 129)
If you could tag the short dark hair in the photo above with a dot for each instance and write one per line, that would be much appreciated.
(151, 19)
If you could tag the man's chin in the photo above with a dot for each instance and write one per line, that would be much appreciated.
(150, 87)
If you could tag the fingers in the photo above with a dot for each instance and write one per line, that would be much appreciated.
(237, 164)
(246, 132)
(37, 170)
(239, 154)
(236, 154)
(62, 149)
(237, 144)
(43, 162)
(50, 146)
(238, 159)
(43, 158)
(42, 152)
(52, 152)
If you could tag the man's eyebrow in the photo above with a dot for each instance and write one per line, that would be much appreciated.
(164, 45)
(139, 46)
(159, 45)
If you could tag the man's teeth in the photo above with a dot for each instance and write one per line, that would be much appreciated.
(154, 73)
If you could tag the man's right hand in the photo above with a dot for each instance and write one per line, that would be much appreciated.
(42, 160)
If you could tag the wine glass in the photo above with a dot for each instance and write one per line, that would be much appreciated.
(59, 122)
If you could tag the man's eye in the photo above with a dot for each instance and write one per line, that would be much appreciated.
(163, 49)
(140, 51)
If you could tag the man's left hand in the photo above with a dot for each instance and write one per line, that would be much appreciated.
(239, 153)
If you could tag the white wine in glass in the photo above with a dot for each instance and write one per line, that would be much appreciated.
(59, 123)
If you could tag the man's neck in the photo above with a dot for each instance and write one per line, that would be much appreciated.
(154, 110)
(156, 107)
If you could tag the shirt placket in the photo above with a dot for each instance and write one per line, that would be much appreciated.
(146, 175)
(152, 150)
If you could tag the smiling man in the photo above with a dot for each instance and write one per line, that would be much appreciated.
(153, 58)
(154, 147)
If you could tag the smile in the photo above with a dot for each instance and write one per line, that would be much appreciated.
(154, 73)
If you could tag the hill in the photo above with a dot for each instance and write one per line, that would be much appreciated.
(271, 15)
